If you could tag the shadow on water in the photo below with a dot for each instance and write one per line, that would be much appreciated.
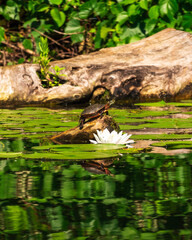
(128, 196)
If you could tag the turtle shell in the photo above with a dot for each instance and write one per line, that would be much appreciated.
(94, 110)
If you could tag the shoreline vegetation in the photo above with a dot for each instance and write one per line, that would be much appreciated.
(77, 27)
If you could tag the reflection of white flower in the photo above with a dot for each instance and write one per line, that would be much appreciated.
(116, 138)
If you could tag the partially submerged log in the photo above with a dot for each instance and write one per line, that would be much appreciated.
(154, 68)
(77, 135)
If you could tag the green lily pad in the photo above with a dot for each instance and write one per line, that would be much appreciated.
(180, 104)
(46, 129)
(9, 132)
(174, 145)
(152, 104)
(121, 115)
(82, 147)
(161, 123)
(161, 136)
(41, 123)
(76, 151)
(70, 155)
(163, 104)
(9, 154)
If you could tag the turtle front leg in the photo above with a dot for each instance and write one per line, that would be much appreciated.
(81, 123)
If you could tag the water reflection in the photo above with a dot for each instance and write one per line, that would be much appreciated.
(148, 197)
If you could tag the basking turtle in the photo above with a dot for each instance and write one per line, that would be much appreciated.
(93, 111)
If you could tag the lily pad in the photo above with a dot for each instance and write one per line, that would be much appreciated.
(163, 104)
(41, 123)
(70, 155)
(10, 154)
(121, 115)
(76, 151)
(174, 145)
(152, 104)
(82, 147)
(161, 136)
(161, 123)
(9, 132)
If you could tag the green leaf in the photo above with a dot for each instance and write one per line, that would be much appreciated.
(77, 38)
(27, 44)
(57, 2)
(133, 10)
(187, 20)
(2, 32)
(43, 7)
(32, 21)
(58, 16)
(1, 10)
(85, 10)
(122, 17)
(126, 2)
(104, 32)
(73, 26)
(154, 12)
(150, 25)
(31, 6)
(43, 26)
(134, 39)
(116, 9)
(21, 60)
(168, 8)
(130, 32)
(144, 4)
(9, 155)
(11, 12)
(100, 9)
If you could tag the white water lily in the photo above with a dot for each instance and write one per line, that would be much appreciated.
(114, 137)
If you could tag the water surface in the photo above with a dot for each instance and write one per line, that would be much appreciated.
(129, 196)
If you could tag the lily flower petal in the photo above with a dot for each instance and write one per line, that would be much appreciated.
(97, 138)
(93, 141)
(112, 137)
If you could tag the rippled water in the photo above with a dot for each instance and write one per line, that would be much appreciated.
(132, 196)
(146, 197)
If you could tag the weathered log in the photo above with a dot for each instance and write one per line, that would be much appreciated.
(154, 68)
(77, 135)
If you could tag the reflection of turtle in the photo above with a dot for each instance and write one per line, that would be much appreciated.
(96, 168)
(93, 111)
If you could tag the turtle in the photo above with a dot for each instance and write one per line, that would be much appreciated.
(93, 111)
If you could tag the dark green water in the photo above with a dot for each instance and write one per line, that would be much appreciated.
(146, 196)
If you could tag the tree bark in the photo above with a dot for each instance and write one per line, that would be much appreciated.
(155, 68)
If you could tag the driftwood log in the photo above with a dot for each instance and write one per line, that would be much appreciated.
(154, 68)
(77, 135)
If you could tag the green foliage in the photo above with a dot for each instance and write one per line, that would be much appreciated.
(2, 32)
(58, 16)
(48, 78)
(102, 23)
(44, 61)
